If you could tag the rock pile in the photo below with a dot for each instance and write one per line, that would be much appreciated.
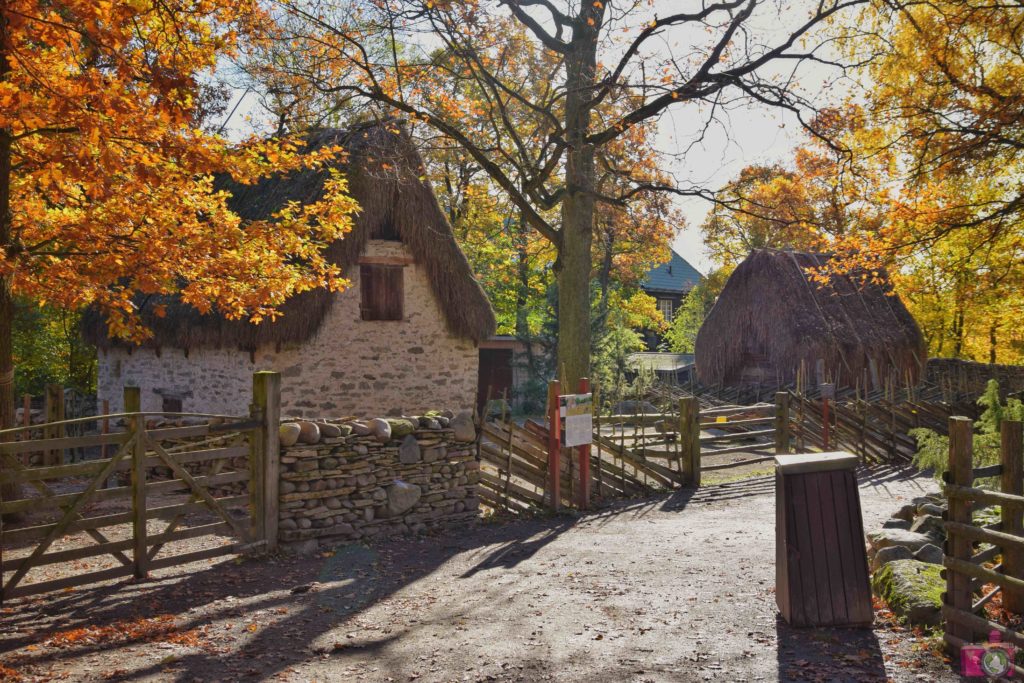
(362, 478)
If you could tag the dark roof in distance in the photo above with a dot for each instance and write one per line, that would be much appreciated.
(675, 275)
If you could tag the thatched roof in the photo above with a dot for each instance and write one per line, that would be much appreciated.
(385, 175)
(772, 321)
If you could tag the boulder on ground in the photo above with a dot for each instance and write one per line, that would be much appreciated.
(889, 537)
(464, 428)
(890, 554)
(932, 509)
(907, 512)
(932, 554)
(896, 523)
(288, 434)
(929, 525)
(912, 589)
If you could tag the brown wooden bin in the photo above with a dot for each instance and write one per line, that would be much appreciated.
(821, 566)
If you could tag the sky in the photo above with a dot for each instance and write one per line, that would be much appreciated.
(750, 134)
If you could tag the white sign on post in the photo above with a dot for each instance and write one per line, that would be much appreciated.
(577, 409)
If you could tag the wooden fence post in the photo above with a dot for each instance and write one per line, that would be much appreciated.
(1011, 455)
(584, 456)
(689, 439)
(781, 422)
(554, 446)
(54, 410)
(137, 424)
(961, 473)
(265, 457)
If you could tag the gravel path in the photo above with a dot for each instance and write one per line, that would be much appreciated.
(676, 588)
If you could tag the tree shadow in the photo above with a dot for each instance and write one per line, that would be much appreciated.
(308, 597)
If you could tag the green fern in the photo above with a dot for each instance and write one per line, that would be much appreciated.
(933, 448)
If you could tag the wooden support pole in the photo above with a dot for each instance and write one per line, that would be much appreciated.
(26, 420)
(584, 457)
(689, 439)
(137, 424)
(53, 401)
(961, 459)
(554, 446)
(265, 457)
(782, 422)
(1011, 456)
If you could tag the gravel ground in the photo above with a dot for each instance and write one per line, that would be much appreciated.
(674, 588)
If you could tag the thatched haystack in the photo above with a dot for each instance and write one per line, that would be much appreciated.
(772, 322)
(385, 175)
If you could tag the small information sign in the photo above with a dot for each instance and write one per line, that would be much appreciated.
(578, 412)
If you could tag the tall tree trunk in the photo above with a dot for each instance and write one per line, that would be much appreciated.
(992, 342)
(7, 491)
(578, 208)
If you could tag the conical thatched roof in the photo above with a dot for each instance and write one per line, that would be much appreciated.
(772, 321)
(385, 175)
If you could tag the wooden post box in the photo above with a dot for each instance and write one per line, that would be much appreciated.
(821, 565)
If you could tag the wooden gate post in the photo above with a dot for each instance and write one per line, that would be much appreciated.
(137, 425)
(53, 401)
(554, 446)
(781, 422)
(265, 457)
(689, 439)
(961, 473)
(1011, 456)
(584, 455)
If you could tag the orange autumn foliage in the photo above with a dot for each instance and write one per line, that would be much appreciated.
(111, 178)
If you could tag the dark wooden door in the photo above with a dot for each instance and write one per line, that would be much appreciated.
(495, 377)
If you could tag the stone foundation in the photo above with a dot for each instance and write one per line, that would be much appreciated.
(360, 479)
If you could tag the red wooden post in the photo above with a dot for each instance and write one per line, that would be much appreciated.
(584, 454)
(554, 445)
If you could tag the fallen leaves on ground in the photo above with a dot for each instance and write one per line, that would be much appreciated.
(159, 629)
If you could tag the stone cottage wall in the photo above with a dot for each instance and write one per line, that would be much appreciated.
(351, 481)
(351, 367)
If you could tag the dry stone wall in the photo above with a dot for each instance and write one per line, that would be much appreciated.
(359, 479)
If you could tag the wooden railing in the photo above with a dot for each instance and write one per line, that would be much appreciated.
(223, 463)
(975, 576)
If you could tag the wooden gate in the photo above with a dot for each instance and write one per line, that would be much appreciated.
(165, 479)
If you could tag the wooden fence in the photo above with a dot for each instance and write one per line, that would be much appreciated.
(225, 467)
(877, 430)
(975, 576)
(632, 455)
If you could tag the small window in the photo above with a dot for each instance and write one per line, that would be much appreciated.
(171, 405)
(382, 293)
(665, 306)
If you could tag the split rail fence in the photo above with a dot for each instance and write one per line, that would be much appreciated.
(205, 482)
(983, 562)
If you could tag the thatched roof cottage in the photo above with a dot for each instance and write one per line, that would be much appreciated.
(773, 321)
(401, 339)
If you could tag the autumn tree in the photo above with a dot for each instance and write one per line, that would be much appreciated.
(706, 58)
(107, 173)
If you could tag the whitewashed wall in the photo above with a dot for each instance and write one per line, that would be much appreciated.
(350, 367)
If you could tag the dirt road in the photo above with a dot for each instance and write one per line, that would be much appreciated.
(678, 588)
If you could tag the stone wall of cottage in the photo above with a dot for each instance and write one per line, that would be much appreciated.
(351, 367)
(363, 478)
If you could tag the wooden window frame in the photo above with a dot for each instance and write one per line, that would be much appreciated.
(381, 292)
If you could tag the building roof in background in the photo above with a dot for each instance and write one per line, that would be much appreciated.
(659, 361)
(675, 275)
